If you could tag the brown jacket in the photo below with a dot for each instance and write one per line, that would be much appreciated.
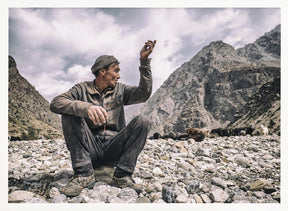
(81, 96)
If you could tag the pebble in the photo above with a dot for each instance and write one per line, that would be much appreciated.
(20, 196)
(168, 195)
(128, 195)
(58, 199)
(193, 187)
(216, 170)
(218, 181)
(219, 195)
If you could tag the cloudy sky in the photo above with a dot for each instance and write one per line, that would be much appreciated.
(55, 47)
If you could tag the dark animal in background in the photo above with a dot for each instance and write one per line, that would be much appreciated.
(233, 131)
(195, 133)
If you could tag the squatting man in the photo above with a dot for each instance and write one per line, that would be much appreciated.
(94, 125)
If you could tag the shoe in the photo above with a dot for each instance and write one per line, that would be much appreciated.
(76, 185)
(125, 182)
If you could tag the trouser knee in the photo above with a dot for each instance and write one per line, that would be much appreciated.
(142, 121)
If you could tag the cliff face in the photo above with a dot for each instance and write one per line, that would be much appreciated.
(29, 114)
(210, 89)
(263, 108)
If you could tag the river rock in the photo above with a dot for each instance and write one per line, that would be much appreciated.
(219, 195)
(20, 196)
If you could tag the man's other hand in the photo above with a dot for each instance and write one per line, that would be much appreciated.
(97, 114)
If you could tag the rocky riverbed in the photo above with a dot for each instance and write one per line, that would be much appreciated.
(239, 169)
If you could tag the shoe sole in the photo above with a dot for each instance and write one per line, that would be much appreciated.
(89, 186)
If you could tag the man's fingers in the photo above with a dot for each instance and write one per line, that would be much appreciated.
(150, 44)
(104, 113)
(97, 114)
(101, 116)
(147, 48)
(94, 117)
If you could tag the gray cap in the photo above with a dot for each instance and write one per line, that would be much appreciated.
(103, 61)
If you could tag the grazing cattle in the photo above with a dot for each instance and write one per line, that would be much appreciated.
(14, 138)
(196, 134)
(156, 135)
(182, 136)
(206, 132)
(220, 132)
(263, 130)
(233, 131)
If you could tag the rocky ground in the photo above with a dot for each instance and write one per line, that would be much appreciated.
(240, 169)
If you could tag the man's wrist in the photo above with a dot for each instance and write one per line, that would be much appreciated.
(145, 61)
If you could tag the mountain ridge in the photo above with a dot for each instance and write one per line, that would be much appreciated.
(209, 89)
(28, 111)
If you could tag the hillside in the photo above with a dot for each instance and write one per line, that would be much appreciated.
(29, 114)
(263, 108)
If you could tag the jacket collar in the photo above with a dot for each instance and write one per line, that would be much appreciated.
(93, 89)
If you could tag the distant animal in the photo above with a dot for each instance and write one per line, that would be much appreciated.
(263, 130)
(220, 132)
(195, 133)
(233, 131)
(156, 135)
(13, 138)
(206, 132)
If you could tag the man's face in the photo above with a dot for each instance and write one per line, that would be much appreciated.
(112, 75)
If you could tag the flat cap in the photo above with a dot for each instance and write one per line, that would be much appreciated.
(103, 61)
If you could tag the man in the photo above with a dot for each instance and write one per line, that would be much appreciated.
(94, 125)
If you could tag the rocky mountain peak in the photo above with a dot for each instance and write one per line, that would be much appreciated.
(217, 55)
(12, 62)
(214, 85)
(265, 48)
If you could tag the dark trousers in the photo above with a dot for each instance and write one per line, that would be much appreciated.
(87, 151)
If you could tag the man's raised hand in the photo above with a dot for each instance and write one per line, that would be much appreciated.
(147, 49)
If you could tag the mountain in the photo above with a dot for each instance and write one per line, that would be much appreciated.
(211, 89)
(263, 108)
(28, 112)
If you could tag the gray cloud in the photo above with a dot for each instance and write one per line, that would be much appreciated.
(55, 48)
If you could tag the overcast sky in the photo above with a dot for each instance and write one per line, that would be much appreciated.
(55, 48)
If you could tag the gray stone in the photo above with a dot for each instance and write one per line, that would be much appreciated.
(276, 197)
(269, 188)
(142, 200)
(168, 195)
(20, 195)
(219, 195)
(54, 192)
(35, 200)
(128, 195)
(265, 164)
(203, 152)
(182, 198)
(193, 187)
(104, 193)
(218, 181)
(59, 199)
(242, 161)
(205, 198)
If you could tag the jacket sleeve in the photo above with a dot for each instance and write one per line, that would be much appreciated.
(134, 94)
(70, 103)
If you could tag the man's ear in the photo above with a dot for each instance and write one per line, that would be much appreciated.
(102, 71)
